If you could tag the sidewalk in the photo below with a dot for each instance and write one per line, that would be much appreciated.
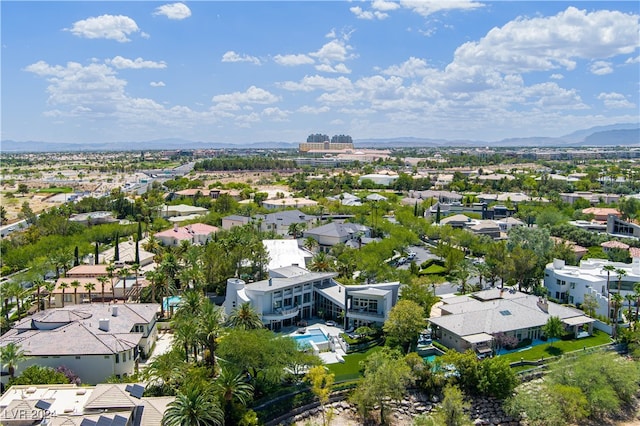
(163, 345)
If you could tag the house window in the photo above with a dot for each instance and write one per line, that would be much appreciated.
(77, 357)
(107, 357)
(571, 299)
(306, 298)
(572, 285)
(68, 297)
(117, 358)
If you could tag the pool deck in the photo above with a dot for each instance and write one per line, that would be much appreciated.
(328, 330)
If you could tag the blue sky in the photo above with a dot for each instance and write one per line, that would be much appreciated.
(241, 72)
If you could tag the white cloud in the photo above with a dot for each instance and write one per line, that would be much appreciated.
(317, 82)
(112, 27)
(306, 109)
(429, 7)
(384, 6)
(556, 76)
(333, 51)
(601, 68)
(615, 100)
(232, 56)
(138, 63)
(275, 114)
(293, 60)
(157, 84)
(337, 69)
(412, 67)
(635, 60)
(176, 11)
(253, 95)
(368, 14)
(545, 43)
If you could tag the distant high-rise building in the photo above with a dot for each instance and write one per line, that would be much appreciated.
(321, 142)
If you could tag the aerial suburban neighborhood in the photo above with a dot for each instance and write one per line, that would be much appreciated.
(149, 277)
(320, 213)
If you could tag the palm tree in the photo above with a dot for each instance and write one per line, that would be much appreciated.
(209, 325)
(124, 273)
(608, 269)
(244, 317)
(621, 273)
(617, 300)
(185, 334)
(49, 287)
(75, 284)
(111, 268)
(232, 387)
(310, 243)
(135, 268)
(90, 287)
(38, 283)
(13, 290)
(12, 355)
(102, 279)
(321, 262)
(636, 293)
(629, 299)
(63, 286)
(193, 406)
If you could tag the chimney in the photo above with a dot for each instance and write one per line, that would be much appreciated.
(175, 227)
(270, 282)
(114, 311)
(103, 324)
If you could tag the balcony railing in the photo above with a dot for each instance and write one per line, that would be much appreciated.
(282, 314)
(361, 313)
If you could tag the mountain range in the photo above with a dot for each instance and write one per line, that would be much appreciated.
(625, 134)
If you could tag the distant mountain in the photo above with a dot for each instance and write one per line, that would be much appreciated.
(624, 134)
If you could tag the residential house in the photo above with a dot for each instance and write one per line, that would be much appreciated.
(292, 294)
(334, 233)
(457, 221)
(622, 228)
(601, 214)
(347, 199)
(284, 203)
(286, 253)
(477, 321)
(278, 222)
(95, 341)
(593, 198)
(103, 404)
(181, 210)
(197, 233)
(379, 178)
(570, 284)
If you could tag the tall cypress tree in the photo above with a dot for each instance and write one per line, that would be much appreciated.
(438, 214)
(137, 262)
(76, 257)
(139, 231)
(116, 252)
(96, 253)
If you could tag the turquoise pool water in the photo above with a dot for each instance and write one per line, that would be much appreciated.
(171, 301)
(314, 335)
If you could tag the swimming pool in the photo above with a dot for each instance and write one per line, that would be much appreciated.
(170, 301)
(314, 335)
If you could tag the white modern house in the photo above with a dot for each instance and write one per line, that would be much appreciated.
(292, 294)
(95, 341)
(570, 284)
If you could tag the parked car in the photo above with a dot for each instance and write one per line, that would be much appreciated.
(402, 261)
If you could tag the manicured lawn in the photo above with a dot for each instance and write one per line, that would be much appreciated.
(350, 368)
(55, 190)
(559, 347)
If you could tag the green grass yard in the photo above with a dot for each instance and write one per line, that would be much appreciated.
(561, 347)
(350, 368)
(55, 190)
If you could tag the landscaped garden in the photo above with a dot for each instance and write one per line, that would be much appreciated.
(350, 368)
(559, 347)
